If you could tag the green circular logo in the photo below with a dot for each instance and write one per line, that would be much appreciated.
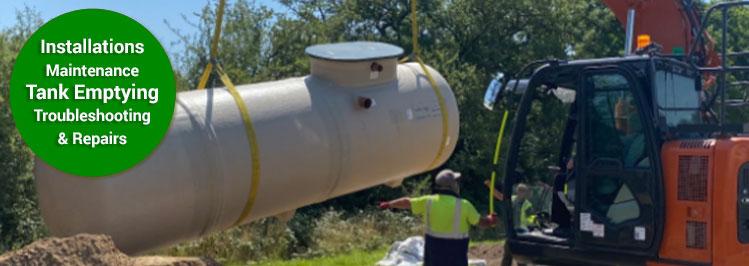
(92, 92)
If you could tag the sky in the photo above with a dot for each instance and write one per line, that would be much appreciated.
(150, 13)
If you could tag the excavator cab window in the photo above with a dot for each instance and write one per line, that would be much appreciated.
(614, 122)
(677, 95)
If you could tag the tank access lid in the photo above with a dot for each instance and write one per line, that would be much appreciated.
(354, 51)
(354, 64)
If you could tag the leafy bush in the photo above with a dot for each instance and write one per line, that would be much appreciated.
(332, 232)
(261, 240)
(367, 230)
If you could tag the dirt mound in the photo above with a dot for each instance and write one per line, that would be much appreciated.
(85, 249)
(174, 261)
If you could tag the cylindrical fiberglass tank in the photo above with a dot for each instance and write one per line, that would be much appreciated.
(359, 120)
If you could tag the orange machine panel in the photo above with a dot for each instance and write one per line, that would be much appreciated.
(688, 182)
(730, 155)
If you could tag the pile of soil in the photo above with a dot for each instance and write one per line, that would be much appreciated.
(491, 253)
(85, 249)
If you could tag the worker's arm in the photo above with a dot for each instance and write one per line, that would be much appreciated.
(497, 194)
(401, 203)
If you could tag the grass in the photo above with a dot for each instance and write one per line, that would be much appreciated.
(487, 242)
(355, 258)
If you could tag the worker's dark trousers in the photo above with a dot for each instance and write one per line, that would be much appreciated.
(445, 252)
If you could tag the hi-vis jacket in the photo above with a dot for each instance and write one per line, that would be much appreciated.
(523, 216)
(445, 216)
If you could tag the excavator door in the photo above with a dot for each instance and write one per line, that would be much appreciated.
(615, 209)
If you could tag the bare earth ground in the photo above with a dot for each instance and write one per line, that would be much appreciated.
(491, 252)
(85, 249)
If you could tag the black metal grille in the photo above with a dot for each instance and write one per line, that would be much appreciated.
(694, 144)
(692, 179)
(696, 235)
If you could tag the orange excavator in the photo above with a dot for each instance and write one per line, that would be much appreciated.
(646, 172)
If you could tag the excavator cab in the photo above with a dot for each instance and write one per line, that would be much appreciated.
(600, 193)
(631, 165)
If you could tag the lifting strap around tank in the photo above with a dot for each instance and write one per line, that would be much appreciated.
(244, 112)
(415, 55)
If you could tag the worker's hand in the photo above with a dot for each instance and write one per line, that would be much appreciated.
(384, 205)
(488, 183)
(492, 219)
(488, 221)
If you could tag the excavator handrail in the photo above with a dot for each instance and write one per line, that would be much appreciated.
(723, 68)
(724, 8)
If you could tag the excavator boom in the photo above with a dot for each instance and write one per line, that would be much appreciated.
(672, 24)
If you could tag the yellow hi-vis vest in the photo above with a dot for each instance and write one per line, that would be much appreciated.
(523, 216)
(445, 216)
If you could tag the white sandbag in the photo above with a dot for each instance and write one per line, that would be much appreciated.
(410, 252)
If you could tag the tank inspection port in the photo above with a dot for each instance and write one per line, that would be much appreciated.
(376, 67)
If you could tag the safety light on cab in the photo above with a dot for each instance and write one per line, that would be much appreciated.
(643, 40)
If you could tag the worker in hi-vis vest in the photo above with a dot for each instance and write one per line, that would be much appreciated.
(523, 207)
(523, 216)
(447, 217)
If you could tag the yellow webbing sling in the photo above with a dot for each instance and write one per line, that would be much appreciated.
(432, 82)
(495, 161)
(246, 120)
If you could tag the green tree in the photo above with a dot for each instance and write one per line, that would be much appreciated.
(241, 49)
(20, 222)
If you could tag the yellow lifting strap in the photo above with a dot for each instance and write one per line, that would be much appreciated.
(214, 45)
(244, 112)
(496, 161)
(440, 98)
